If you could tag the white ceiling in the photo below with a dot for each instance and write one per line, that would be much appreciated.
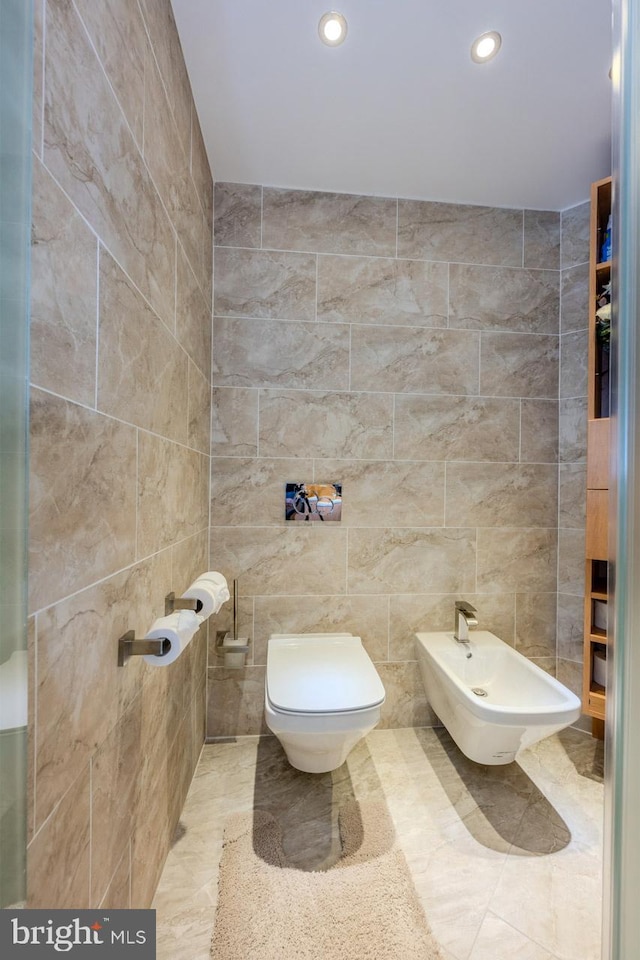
(400, 109)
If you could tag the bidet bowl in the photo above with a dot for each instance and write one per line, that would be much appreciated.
(495, 702)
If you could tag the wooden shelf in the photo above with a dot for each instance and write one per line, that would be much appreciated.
(597, 551)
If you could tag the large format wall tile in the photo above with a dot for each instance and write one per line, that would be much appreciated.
(573, 430)
(411, 360)
(574, 298)
(199, 410)
(115, 797)
(519, 365)
(238, 214)
(328, 222)
(173, 486)
(282, 353)
(100, 167)
(573, 364)
(456, 428)
(379, 493)
(139, 358)
(250, 492)
(571, 554)
(265, 283)
(462, 334)
(200, 169)
(575, 235)
(522, 560)
(189, 558)
(411, 560)
(118, 894)
(168, 163)
(82, 514)
(539, 431)
(378, 290)
(536, 624)
(406, 701)
(415, 613)
(542, 239)
(158, 17)
(316, 424)
(161, 799)
(63, 294)
(77, 662)
(113, 749)
(463, 233)
(234, 422)
(117, 32)
(236, 702)
(502, 495)
(59, 856)
(502, 298)
(193, 317)
(365, 617)
(570, 627)
(292, 560)
(572, 493)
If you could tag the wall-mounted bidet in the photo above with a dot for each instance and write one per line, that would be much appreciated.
(322, 695)
(492, 700)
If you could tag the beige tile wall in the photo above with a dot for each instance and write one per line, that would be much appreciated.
(121, 346)
(411, 350)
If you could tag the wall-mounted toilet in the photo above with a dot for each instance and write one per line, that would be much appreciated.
(322, 695)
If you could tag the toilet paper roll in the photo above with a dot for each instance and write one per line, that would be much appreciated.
(179, 628)
(211, 590)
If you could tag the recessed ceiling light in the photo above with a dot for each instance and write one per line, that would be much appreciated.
(332, 28)
(486, 46)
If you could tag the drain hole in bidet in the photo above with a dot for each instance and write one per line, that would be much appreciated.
(479, 692)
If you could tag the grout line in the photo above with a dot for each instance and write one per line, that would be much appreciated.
(126, 423)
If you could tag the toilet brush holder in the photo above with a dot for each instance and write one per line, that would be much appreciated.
(234, 651)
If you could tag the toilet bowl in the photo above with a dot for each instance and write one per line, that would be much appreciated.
(322, 695)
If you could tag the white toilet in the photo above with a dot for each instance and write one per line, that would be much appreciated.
(322, 695)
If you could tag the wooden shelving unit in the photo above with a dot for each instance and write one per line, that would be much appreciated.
(597, 525)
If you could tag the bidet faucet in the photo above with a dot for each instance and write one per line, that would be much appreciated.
(465, 618)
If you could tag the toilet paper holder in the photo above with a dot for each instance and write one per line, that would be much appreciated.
(171, 603)
(128, 647)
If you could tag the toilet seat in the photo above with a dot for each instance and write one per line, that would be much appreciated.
(321, 674)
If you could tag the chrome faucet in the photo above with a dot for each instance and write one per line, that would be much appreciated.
(465, 618)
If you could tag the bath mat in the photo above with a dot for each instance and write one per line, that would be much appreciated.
(363, 908)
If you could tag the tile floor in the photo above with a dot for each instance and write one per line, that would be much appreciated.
(506, 860)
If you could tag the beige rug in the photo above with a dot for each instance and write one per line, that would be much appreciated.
(363, 908)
